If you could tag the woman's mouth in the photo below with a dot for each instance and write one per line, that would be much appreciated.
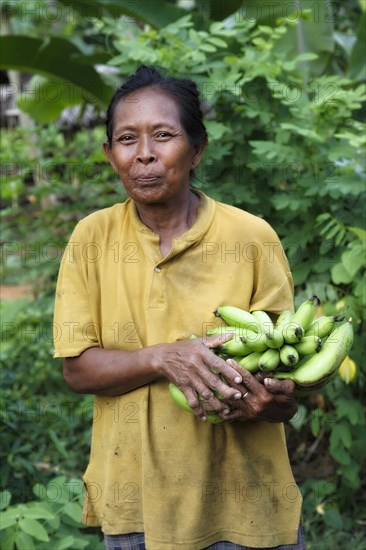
(151, 178)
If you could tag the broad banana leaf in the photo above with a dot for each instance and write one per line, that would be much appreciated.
(44, 100)
(217, 10)
(54, 58)
(357, 67)
(156, 13)
(313, 32)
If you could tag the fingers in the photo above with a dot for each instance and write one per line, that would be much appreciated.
(236, 414)
(217, 339)
(248, 380)
(213, 382)
(280, 386)
(229, 371)
(201, 407)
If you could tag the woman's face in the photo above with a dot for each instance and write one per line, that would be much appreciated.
(150, 151)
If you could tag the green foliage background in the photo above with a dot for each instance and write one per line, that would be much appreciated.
(284, 97)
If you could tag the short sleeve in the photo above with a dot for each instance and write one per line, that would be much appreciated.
(74, 329)
(273, 286)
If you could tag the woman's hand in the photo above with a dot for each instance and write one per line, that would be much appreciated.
(194, 368)
(272, 401)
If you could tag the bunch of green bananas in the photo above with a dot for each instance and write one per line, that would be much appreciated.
(298, 347)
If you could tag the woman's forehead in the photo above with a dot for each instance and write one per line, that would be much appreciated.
(147, 105)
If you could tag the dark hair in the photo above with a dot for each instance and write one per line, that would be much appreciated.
(183, 91)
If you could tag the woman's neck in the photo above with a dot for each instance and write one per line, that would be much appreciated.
(171, 219)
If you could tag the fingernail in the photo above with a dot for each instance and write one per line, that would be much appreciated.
(269, 381)
(238, 379)
(226, 411)
(237, 396)
(203, 418)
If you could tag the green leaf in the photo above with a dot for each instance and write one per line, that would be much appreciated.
(65, 542)
(34, 528)
(24, 541)
(316, 419)
(47, 57)
(306, 132)
(158, 14)
(58, 444)
(73, 510)
(354, 258)
(333, 518)
(9, 517)
(40, 491)
(357, 66)
(361, 233)
(45, 100)
(340, 274)
(35, 510)
(207, 48)
(8, 541)
(75, 487)
(217, 10)
(311, 35)
(341, 434)
(216, 130)
(5, 498)
(352, 476)
(352, 410)
(217, 42)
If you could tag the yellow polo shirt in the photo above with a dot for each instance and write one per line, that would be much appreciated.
(155, 468)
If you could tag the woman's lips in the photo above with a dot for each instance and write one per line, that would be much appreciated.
(147, 179)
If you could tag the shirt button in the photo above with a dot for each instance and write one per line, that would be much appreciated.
(158, 269)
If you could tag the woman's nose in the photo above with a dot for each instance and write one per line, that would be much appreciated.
(145, 152)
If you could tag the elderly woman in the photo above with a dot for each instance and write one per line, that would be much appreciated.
(136, 280)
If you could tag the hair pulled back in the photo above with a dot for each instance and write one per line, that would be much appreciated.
(183, 91)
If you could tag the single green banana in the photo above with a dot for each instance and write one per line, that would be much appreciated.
(273, 335)
(292, 332)
(213, 418)
(309, 345)
(318, 384)
(289, 355)
(179, 398)
(255, 341)
(305, 313)
(283, 319)
(237, 317)
(235, 347)
(305, 391)
(264, 320)
(323, 326)
(274, 339)
(251, 361)
(269, 360)
(320, 365)
(223, 329)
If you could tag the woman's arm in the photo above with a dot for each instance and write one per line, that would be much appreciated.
(187, 363)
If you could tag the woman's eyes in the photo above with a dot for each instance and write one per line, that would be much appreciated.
(158, 135)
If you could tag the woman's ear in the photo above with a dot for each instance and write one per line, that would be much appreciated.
(198, 151)
(108, 154)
